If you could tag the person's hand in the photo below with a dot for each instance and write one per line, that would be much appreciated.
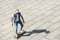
(24, 22)
(12, 24)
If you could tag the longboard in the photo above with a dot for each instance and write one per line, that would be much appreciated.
(20, 34)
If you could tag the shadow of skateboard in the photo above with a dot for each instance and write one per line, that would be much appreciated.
(20, 34)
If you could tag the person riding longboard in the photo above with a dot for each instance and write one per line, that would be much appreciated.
(16, 19)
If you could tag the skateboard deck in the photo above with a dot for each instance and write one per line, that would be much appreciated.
(20, 34)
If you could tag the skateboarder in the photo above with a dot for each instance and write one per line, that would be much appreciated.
(16, 19)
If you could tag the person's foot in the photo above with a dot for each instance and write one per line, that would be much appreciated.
(22, 31)
(16, 35)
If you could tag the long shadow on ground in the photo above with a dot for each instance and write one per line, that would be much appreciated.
(36, 31)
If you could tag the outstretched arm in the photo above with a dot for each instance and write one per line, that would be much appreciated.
(22, 19)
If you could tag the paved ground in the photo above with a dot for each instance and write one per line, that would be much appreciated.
(40, 17)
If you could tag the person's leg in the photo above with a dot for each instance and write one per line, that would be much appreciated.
(16, 27)
(21, 24)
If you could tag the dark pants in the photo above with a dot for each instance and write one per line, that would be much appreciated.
(16, 26)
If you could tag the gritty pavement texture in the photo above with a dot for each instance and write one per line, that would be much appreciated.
(42, 19)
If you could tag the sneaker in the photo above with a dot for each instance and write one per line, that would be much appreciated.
(21, 31)
(16, 35)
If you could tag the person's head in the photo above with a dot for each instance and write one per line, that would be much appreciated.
(17, 10)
